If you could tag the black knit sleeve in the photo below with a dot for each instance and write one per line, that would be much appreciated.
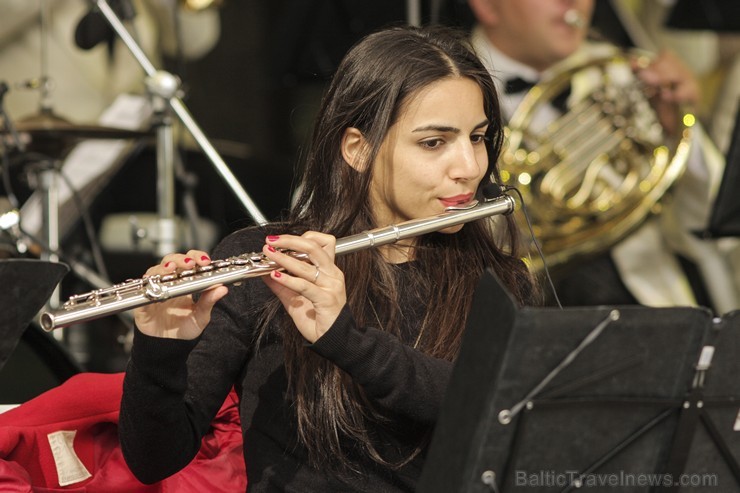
(396, 376)
(151, 408)
(174, 388)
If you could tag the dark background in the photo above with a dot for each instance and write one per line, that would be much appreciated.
(254, 95)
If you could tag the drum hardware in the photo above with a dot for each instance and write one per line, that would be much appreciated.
(10, 223)
(48, 125)
(137, 233)
(43, 139)
(10, 220)
(164, 89)
(40, 143)
(6, 144)
(44, 81)
(48, 184)
(44, 176)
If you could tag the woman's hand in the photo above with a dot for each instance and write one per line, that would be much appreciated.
(180, 317)
(312, 292)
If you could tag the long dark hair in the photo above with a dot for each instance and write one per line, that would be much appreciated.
(371, 85)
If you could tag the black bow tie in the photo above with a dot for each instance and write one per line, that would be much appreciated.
(518, 85)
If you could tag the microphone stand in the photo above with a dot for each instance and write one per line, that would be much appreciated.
(164, 88)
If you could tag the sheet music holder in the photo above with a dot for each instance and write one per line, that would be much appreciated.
(542, 398)
(27, 284)
(725, 217)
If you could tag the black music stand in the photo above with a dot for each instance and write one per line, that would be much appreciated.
(725, 216)
(546, 399)
(26, 284)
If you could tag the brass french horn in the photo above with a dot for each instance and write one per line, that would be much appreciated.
(591, 176)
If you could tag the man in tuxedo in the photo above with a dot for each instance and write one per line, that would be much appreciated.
(663, 262)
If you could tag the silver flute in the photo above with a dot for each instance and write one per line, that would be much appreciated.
(151, 289)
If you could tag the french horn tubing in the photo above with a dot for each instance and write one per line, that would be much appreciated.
(143, 291)
(594, 174)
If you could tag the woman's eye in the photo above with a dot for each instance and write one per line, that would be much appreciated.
(431, 143)
(478, 138)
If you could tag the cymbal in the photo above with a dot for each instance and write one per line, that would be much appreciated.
(49, 125)
(50, 134)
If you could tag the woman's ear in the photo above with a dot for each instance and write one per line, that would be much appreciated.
(354, 148)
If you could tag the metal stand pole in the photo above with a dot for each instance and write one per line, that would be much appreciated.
(163, 88)
(49, 185)
(413, 12)
(48, 182)
(179, 108)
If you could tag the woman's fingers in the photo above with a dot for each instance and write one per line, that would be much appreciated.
(318, 247)
(328, 243)
(312, 290)
(205, 303)
(179, 262)
(179, 317)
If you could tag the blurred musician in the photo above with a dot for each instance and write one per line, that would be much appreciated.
(663, 263)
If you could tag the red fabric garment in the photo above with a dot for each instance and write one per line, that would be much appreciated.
(83, 412)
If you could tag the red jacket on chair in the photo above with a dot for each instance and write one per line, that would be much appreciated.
(66, 439)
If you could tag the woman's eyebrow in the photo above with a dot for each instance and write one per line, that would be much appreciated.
(447, 128)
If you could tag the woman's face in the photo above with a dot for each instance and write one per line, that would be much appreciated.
(434, 156)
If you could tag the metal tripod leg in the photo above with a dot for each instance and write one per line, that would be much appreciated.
(48, 183)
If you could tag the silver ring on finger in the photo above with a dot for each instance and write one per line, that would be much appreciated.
(316, 276)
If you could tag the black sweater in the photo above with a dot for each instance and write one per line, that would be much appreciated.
(173, 389)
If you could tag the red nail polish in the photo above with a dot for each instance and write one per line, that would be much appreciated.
(187, 260)
(167, 265)
(205, 257)
(271, 248)
(277, 274)
(273, 238)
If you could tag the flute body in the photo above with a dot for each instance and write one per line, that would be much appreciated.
(139, 292)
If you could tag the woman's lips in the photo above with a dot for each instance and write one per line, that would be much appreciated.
(457, 200)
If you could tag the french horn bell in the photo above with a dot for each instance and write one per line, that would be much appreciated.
(594, 174)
